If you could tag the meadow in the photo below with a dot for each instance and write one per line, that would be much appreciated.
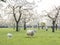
(41, 37)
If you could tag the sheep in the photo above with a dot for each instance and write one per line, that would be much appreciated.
(31, 32)
(9, 35)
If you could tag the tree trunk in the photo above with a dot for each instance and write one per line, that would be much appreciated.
(56, 26)
(17, 26)
(24, 25)
(53, 26)
(42, 27)
(38, 26)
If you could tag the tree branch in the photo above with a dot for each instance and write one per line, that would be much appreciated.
(19, 13)
(14, 14)
(57, 15)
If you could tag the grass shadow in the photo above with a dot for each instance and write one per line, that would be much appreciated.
(30, 37)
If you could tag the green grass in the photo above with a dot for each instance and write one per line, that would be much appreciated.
(41, 37)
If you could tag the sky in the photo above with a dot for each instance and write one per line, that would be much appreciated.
(47, 5)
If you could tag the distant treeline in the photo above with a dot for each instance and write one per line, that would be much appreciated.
(26, 26)
(3, 26)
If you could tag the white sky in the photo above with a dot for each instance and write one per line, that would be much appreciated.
(46, 4)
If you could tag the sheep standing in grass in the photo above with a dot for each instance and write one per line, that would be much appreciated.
(30, 32)
(9, 35)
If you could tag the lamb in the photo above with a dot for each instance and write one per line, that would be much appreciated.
(30, 32)
(9, 35)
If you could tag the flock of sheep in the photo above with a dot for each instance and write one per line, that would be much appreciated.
(29, 33)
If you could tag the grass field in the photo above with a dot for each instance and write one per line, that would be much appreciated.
(41, 37)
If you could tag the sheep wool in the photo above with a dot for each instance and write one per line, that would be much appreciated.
(9, 35)
(30, 32)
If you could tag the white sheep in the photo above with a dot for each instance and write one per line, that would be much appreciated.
(9, 35)
(31, 32)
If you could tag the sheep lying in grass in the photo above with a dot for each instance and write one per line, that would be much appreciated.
(9, 35)
(30, 32)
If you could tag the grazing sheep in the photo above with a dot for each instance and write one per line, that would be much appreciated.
(9, 35)
(30, 32)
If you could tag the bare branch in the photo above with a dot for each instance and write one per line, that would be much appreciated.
(48, 14)
(14, 14)
(19, 14)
